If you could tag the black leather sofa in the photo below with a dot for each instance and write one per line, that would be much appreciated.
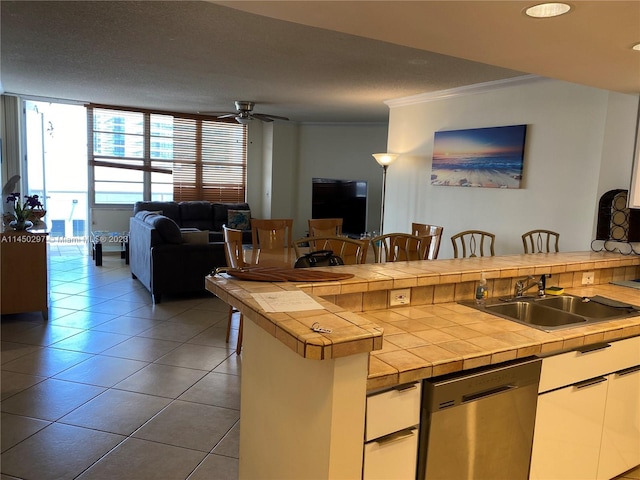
(199, 214)
(164, 256)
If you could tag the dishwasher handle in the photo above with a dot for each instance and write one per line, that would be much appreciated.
(494, 391)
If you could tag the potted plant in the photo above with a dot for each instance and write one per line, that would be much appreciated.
(24, 214)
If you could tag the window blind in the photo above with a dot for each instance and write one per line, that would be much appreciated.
(206, 158)
(209, 160)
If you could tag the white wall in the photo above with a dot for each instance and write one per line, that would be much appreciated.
(284, 157)
(579, 145)
(255, 166)
(284, 186)
(340, 151)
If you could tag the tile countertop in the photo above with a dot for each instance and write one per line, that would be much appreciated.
(431, 340)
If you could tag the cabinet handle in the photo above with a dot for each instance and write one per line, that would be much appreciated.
(593, 348)
(397, 436)
(405, 387)
(628, 371)
(590, 382)
(486, 393)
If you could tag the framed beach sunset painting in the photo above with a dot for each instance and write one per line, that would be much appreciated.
(479, 157)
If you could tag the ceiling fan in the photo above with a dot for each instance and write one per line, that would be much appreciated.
(244, 113)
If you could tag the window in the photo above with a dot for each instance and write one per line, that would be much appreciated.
(57, 228)
(142, 155)
(78, 228)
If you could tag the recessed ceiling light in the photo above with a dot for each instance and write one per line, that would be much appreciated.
(636, 47)
(546, 10)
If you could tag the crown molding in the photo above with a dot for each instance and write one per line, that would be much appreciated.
(464, 91)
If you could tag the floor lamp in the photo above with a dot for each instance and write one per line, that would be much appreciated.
(384, 159)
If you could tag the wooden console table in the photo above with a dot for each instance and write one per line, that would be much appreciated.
(23, 263)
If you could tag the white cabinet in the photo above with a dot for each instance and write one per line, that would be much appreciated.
(566, 441)
(392, 457)
(391, 433)
(588, 415)
(621, 432)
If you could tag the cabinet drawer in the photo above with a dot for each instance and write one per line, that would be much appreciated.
(588, 362)
(392, 410)
(394, 456)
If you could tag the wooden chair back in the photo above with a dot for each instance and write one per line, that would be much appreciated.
(235, 259)
(352, 251)
(325, 227)
(233, 247)
(398, 247)
(473, 243)
(272, 238)
(423, 229)
(541, 241)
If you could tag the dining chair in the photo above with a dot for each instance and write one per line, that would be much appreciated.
(541, 241)
(235, 259)
(272, 242)
(473, 243)
(397, 247)
(352, 251)
(325, 227)
(423, 229)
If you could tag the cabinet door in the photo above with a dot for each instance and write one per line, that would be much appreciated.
(23, 284)
(568, 430)
(620, 448)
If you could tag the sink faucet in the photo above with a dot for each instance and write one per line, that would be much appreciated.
(526, 283)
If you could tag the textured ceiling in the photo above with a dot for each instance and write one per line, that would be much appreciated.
(309, 61)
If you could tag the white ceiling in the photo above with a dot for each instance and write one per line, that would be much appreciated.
(307, 60)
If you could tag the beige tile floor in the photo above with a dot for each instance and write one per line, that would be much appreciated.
(114, 387)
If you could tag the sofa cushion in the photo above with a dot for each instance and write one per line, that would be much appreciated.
(193, 235)
(167, 228)
(220, 213)
(168, 209)
(196, 214)
(144, 214)
(239, 219)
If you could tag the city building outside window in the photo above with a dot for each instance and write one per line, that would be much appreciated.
(141, 155)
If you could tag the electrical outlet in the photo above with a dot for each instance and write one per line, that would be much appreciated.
(400, 297)
(587, 278)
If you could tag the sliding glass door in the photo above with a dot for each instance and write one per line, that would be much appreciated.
(56, 166)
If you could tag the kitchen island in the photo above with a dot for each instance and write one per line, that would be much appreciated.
(303, 392)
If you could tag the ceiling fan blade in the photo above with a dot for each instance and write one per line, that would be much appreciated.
(228, 115)
(268, 118)
(216, 113)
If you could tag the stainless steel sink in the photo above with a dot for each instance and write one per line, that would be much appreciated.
(553, 313)
(533, 314)
(577, 305)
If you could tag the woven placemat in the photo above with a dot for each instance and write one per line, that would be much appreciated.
(279, 274)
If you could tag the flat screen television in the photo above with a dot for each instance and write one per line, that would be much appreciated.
(346, 199)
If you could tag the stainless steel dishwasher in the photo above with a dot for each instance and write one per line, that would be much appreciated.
(479, 424)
